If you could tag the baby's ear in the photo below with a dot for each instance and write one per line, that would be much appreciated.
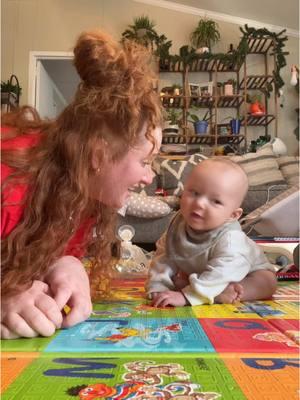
(236, 214)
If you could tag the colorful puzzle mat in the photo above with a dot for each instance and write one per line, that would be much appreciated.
(128, 349)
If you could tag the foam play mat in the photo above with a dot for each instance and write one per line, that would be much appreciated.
(130, 350)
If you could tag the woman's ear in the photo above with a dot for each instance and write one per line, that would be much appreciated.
(98, 155)
(237, 213)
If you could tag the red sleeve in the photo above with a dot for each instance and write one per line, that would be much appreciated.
(12, 196)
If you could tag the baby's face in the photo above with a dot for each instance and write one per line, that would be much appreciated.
(212, 196)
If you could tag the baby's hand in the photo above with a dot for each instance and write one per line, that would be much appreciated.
(168, 298)
(180, 280)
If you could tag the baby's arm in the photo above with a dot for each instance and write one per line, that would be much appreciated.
(228, 262)
(161, 271)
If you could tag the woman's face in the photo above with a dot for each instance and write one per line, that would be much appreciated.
(116, 179)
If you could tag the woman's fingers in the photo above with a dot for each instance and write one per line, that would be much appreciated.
(18, 326)
(7, 334)
(49, 308)
(81, 308)
(38, 322)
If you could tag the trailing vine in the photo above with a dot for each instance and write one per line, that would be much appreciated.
(233, 60)
(278, 46)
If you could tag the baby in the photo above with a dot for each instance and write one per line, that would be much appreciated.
(204, 257)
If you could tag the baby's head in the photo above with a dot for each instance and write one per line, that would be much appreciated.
(213, 194)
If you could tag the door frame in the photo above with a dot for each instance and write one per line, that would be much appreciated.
(34, 58)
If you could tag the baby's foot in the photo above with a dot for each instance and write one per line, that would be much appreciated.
(231, 294)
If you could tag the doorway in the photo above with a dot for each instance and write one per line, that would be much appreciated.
(53, 81)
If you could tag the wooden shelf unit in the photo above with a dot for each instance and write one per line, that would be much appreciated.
(245, 84)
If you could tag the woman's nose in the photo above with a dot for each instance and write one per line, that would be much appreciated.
(148, 177)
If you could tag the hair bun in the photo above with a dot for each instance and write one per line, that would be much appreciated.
(95, 56)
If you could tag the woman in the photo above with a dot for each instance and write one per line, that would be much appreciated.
(62, 178)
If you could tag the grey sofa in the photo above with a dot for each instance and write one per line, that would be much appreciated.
(170, 176)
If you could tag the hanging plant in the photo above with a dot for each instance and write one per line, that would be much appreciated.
(206, 34)
(142, 31)
(278, 46)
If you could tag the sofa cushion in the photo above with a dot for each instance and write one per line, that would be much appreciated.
(141, 205)
(173, 173)
(261, 194)
(289, 166)
(261, 167)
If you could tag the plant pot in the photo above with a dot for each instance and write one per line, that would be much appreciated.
(170, 129)
(141, 32)
(235, 125)
(200, 127)
(202, 50)
(257, 108)
(228, 89)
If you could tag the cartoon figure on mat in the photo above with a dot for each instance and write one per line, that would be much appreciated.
(150, 373)
(144, 381)
(95, 391)
(141, 332)
(139, 391)
(277, 337)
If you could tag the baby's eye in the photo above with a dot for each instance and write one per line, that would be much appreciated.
(216, 201)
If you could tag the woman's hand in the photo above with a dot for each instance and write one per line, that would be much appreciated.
(30, 313)
(69, 285)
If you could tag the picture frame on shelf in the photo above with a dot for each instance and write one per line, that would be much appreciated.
(194, 89)
(206, 89)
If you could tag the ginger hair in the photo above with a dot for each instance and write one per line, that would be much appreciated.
(114, 100)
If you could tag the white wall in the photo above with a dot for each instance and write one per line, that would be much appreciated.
(53, 25)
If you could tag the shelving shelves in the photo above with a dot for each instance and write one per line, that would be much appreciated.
(245, 84)
(202, 139)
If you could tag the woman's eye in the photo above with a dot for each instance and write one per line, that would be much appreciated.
(145, 163)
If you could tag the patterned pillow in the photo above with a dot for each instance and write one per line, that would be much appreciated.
(261, 167)
(289, 166)
(141, 205)
(173, 173)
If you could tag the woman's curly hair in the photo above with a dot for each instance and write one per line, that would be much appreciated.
(113, 102)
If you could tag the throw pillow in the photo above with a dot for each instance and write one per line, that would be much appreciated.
(173, 173)
(261, 167)
(268, 216)
(140, 205)
(289, 166)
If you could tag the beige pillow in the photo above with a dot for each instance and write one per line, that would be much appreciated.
(261, 167)
(289, 166)
(141, 205)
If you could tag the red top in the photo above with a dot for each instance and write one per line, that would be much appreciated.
(11, 197)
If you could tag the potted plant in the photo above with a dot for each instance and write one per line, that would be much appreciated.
(172, 120)
(163, 46)
(205, 35)
(200, 124)
(10, 92)
(142, 31)
(234, 124)
(256, 105)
